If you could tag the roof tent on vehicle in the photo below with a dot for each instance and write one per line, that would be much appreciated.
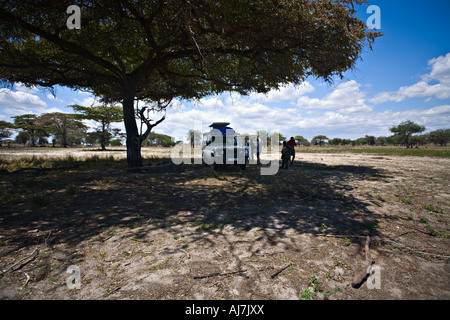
(222, 127)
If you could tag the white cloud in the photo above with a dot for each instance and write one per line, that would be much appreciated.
(440, 73)
(252, 111)
(54, 98)
(20, 102)
(342, 113)
(210, 103)
(384, 97)
(244, 115)
(352, 126)
(440, 70)
(18, 86)
(347, 98)
(284, 93)
(86, 102)
(424, 89)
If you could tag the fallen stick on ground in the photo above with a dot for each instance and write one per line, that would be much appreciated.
(27, 259)
(218, 274)
(112, 291)
(383, 239)
(45, 240)
(280, 271)
(362, 276)
(439, 256)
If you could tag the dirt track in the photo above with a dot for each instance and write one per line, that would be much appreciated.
(201, 235)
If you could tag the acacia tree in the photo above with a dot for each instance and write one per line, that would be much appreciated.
(370, 140)
(441, 136)
(63, 125)
(335, 141)
(104, 115)
(319, 140)
(31, 124)
(301, 140)
(194, 137)
(159, 50)
(5, 130)
(157, 139)
(405, 130)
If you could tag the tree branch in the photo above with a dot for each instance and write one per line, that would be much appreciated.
(63, 44)
(113, 50)
(148, 124)
(144, 22)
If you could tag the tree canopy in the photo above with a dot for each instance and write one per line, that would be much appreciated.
(440, 136)
(405, 129)
(157, 139)
(31, 124)
(64, 126)
(104, 115)
(5, 131)
(320, 139)
(301, 140)
(159, 50)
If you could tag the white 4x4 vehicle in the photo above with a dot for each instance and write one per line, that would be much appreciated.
(221, 146)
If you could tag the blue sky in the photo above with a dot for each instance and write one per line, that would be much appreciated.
(405, 77)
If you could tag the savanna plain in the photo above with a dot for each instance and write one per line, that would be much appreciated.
(188, 232)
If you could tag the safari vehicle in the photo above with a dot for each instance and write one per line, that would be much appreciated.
(221, 146)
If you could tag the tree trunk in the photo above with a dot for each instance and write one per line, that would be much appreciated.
(33, 144)
(64, 139)
(103, 137)
(134, 158)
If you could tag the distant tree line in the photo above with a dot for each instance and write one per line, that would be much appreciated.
(405, 134)
(67, 129)
(158, 140)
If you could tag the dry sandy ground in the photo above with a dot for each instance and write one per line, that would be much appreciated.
(233, 234)
(79, 152)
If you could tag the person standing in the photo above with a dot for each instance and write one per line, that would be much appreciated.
(285, 156)
(258, 151)
(291, 145)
